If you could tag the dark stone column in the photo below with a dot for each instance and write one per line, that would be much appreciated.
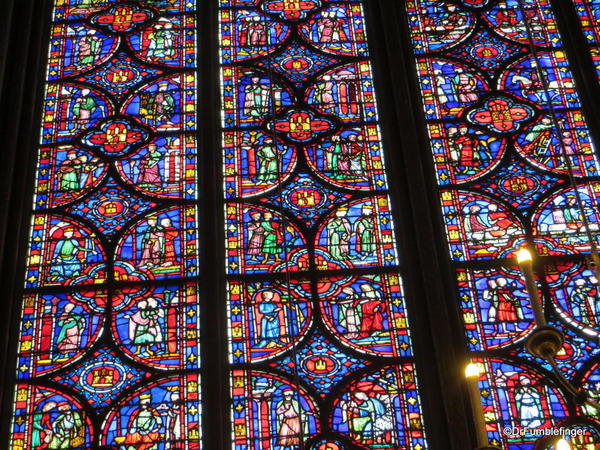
(436, 326)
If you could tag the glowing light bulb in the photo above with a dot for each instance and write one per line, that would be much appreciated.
(524, 256)
(472, 370)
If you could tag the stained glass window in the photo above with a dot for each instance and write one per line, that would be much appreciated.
(515, 166)
(589, 14)
(110, 313)
(318, 352)
(109, 349)
(319, 348)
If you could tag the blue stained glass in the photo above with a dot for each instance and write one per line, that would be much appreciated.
(110, 208)
(297, 63)
(249, 96)
(463, 153)
(372, 241)
(165, 168)
(306, 191)
(78, 9)
(516, 167)
(560, 217)
(65, 174)
(442, 26)
(495, 307)
(337, 29)
(271, 408)
(103, 378)
(486, 50)
(165, 105)
(351, 158)
(521, 78)
(267, 318)
(76, 47)
(165, 411)
(159, 326)
(169, 41)
(71, 108)
(591, 382)
(507, 18)
(114, 216)
(545, 147)
(267, 162)
(520, 398)
(574, 292)
(518, 184)
(577, 352)
(304, 196)
(447, 87)
(396, 412)
(119, 75)
(48, 408)
(57, 330)
(252, 34)
(320, 364)
(346, 91)
(589, 12)
(366, 313)
(162, 243)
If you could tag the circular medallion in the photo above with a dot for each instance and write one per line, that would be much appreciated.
(120, 75)
(306, 198)
(486, 51)
(103, 376)
(111, 208)
(320, 365)
(518, 184)
(295, 64)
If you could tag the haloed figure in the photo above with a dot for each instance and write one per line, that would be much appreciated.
(586, 305)
(89, 48)
(84, 106)
(257, 98)
(169, 233)
(152, 244)
(69, 173)
(361, 413)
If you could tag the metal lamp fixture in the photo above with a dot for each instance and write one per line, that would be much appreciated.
(546, 341)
